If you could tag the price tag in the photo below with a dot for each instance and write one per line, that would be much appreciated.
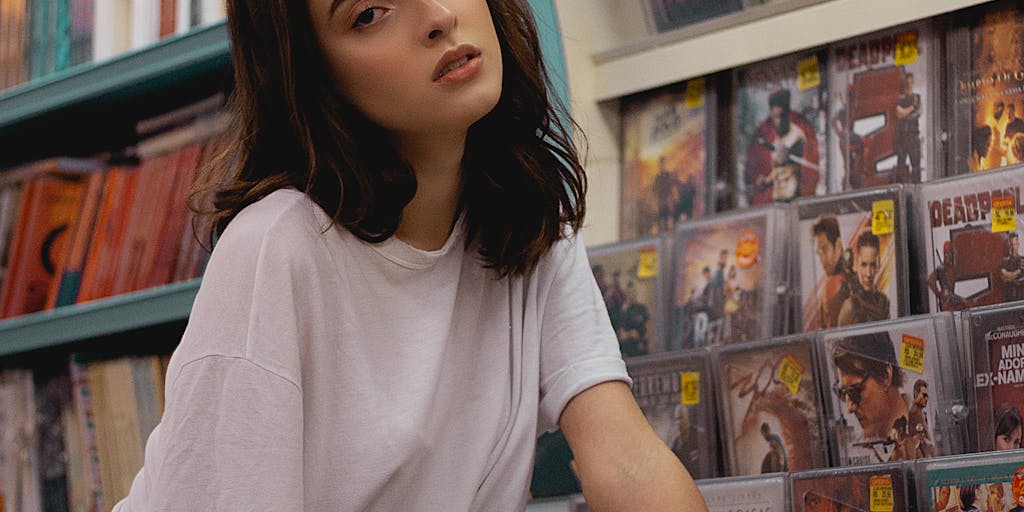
(790, 373)
(808, 73)
(906, 48)
(912, 353)
(647, 267)
(1004, 216)
(881, 494)
(689, 385)
(695, 93)
(883, 217)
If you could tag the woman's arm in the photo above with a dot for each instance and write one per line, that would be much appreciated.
(622, 463)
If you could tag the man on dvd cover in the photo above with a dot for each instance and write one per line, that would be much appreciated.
(908, 130)
(787, 138)
(837, 264)
(1011, 266)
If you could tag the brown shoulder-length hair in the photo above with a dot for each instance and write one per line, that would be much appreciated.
(523, 182)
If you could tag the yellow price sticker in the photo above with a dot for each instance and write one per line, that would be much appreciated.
(689, 385)
(881, 494)
(695, 93)
(912, 353)
(883, 217)
(790, 373)
(906, 48)
(1004, 215)
(808, 73)
(647, 267)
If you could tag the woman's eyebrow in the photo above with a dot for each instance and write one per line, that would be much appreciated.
(334, 7)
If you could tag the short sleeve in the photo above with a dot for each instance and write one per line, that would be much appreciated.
(578, 346)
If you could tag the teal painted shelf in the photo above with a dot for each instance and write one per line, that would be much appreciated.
(135, 310)
(168, 61)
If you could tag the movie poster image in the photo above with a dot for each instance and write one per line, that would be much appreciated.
(665, 158)
(721, 275)
(770, 407)
(760, 493)
(781, 128)
(674, 393)
(977, 483)
(997, 346)
(629, 277)
(880, 123)
(851, 269)
(987, 88)
(972, 240)
(885, 387)
(878, 487)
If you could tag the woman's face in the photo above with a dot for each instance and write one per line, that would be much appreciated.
(414, 67)
(1010, 440)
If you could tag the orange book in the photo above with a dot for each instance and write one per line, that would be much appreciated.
(41, 244)
(64, 288)
(169, 245)
(168, 17)
(100, 270)
(146, 219)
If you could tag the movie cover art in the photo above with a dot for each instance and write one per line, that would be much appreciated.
(988, 482)
(665, 158)
(851, 266)
(881, 109)
(996, 337)
(780, 129)
(724, 279)
(769, 402)
(887, 388)
(761, 493)
(972, 240)
(674, 393)
(863, 489)
(987, 88)
(668, 15)
(628, 276)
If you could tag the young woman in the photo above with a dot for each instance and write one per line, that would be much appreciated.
(398, 301)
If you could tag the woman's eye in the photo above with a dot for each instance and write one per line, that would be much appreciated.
(367, 17)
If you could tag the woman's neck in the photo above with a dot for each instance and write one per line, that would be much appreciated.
(428, 219)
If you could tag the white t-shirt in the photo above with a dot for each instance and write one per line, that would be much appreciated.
(321, 372)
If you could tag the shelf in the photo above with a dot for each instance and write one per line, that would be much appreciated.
(93, 107)
(135, 310)
(768, 37)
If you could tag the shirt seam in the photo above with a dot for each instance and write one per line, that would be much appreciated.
(236, 358)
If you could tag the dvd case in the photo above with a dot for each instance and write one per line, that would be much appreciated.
(970, 241)
(577, 503)
(884, 98)
(985, 69)
(895, 390)
(630, 277)
(729, 278)
(763, 493)
(668, 153)
(674, 391)
(865, 488)
(770, 412)
(851, 258)
(985, 482)
(780, 128)
(994, 338)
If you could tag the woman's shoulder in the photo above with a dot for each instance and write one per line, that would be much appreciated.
(287, 216)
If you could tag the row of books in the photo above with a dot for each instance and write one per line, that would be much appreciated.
(73, 437)
(76, 230)
(41, 37)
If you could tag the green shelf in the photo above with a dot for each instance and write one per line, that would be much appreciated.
(122, 313)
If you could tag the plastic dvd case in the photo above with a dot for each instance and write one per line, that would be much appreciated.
(674, 391)
(780, 128)
(855, 489)
(769, 406)
(667, 16)
(577, 503)
(895, 391)
(630, 277)
(985, 68)
(884, 102)
(980, 482)
(995, 342)
(668, 153)
(764, 493)
(851, 258)
(729, 278)
(970, 235)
